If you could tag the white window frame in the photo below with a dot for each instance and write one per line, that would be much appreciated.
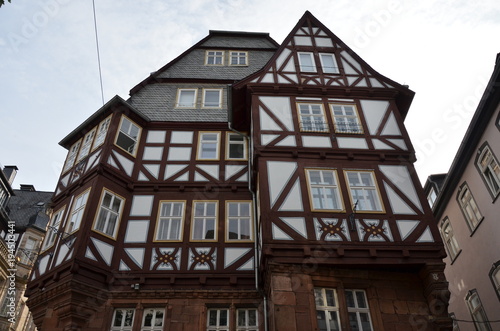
(495, 277)
(469, 207)
(449, 239)
(203, 220)
(309, 66)
(312, 117)
(358, 310)
(126, 324)
(218, 326)
(165, 223)
(88, 140)
(71, 158)
(323, 187)
(230, 143)
(108, 213)
(490, 170)
(238, 56)
(327, 69)
(346, 122)
(367, 189)
(77, 211)
(203, 142)
(219, 102)
(239, 220)
(432, 196)
(102, 131)
(53, 228)
(477, 311)
(327, 308)
(180, 103)
(128, 134)
(213, 54)
(243, 319)
(157, 322)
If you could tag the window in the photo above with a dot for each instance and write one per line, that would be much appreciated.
(214, 58)
(306, 62)
(477, 311)
(170, 220)
(152, 320)
(212, 98)
(469, 207)
(327, 309)
(346, 119)
(488, 166)
(102, 130)
(28, 253)
(312, 117)
(236, 147)
(431, 197)
(186, 98)
(128, 136)
(238, 58)
(123, 320)
(204, 220)
(449, 238)
(364, 191)
(87, 143)
(328, 63)
(53, 228)
(218, 320)
(455, 322)
(208, 146)
(246, 320)
(324, 190)
(239, 220)
(77, 211)
(357, 308)
(495, 277)
(70, 160)
(109, 214)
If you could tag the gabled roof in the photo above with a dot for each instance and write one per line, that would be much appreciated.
(487, 107)
(310, 35)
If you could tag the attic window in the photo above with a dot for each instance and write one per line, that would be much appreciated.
(306, 62)
(238, 58)
(214, 58)
(328, 63)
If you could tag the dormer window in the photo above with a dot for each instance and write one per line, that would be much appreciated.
(238, 58)
(186, 98)
(214, 58)
(328, 63)
(128, 136)
(212, 98)
(306, 62)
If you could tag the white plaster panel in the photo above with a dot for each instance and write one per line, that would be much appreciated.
(351, 80)
(374, 111)
(89, 254)
(267, 123)
(64, 180)
(136, 255)
(267, 138)
(42, 265)
(243, 178)
(290, 67)
(137, 231)
(302, 41)
(232, 255)
(380, 144)
(281, 58)
(375, 82)
(316, 141)
(406, 227)
(293, 201)
(268, 78)
(351, 60)
(288, 141)
(426, 237)
(153, 153)
(399, 142)
(348, 69)
(294, 78)
(63, 250)
(279, 175)
(141, 205)
(323, 42)
(355, 143)
(247, 265)
(142, 177)
(123, 266)
(172, 169)
(391, 127)
(278, 234)
(231, 170)
(182, 178)
(400, 176)
(127, 164)
(155, 137)
(282, 80)
(199, 177)
(153, 169)
(104, 249)
(298, 224)
(280, 107)
(179, 154)
(181, 137)
(212, 170)
(397, 204)
(362, 83)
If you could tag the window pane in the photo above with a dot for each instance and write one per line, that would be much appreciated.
(365, 321)
(186, 98)
(159, 318)
(212, 317)
(321, 316)
(212, 99)
(223, 318)
(330, 298)
(118, 317)
(334, 321)
(360, 298)
(241, 318)
(350, 299)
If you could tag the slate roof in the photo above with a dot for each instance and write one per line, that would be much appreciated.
(25, 211)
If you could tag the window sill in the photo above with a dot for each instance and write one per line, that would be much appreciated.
(455, 258)
(477, 226)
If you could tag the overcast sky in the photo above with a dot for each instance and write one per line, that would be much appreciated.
(49, 79)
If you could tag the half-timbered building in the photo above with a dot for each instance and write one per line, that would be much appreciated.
(245, 185)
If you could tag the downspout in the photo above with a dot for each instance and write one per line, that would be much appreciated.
(254, 199)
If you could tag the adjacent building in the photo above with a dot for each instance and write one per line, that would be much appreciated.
(465, 203)
(245, 185)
